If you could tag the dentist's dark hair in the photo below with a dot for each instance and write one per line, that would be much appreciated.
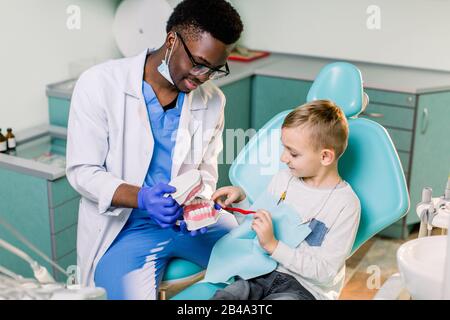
(218, 17)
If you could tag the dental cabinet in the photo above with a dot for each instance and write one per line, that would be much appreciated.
(38, 201)
(412, 104)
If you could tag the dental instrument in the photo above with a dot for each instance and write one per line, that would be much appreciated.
(433, 212)
(44, 286)
(424, 263)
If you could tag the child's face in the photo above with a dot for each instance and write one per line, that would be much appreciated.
(303, 160)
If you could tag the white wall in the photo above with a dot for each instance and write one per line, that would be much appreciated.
(37, 48)
(413, 32)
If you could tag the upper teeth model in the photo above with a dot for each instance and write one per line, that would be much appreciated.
(188, 186)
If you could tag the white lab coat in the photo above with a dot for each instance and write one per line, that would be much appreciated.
(110, 142)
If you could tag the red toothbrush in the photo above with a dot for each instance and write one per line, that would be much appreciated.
(218, 207)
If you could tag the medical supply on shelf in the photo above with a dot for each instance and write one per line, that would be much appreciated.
(10, 139)
(3, 143)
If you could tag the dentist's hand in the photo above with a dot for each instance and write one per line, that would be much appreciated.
(164, 210)
(228, 195)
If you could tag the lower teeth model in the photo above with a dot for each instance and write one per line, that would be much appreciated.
(200, 213)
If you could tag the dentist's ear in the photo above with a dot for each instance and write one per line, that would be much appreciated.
(327, 157)
(170, 40)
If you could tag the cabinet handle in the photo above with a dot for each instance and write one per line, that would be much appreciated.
(372, 114)
(425, 116)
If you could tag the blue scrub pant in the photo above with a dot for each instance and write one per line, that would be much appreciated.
(134, 264)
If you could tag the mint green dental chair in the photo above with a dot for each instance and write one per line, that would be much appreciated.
(370, 164)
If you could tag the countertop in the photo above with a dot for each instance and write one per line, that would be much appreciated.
(29, 166)
(375, 76)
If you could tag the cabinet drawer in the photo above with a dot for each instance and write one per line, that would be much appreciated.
(391, 116)
(65, 241)
(65, 215)
(58, 110)
(271, 95)
(389, 97)
(401, 138)
(404, 159)
(61, 191)
(58, 146)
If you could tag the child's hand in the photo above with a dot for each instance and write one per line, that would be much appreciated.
(262, 224)
(228, 195)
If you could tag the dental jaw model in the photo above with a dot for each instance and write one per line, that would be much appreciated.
(197, 211)
(188, 186)
(200, 213)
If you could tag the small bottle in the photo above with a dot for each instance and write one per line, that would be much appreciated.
(3, 143)
(10, 139)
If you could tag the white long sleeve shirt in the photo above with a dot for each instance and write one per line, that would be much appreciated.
(320, 269)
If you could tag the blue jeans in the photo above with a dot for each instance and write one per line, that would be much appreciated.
(272, 286)
(134, 264)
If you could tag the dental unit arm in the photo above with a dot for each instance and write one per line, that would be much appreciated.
(44, 286)
(40, 273)
(433, 212)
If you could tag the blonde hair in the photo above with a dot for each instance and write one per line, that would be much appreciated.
(327, 125)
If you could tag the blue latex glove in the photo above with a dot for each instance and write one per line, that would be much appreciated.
(183, 229)
(164, 210)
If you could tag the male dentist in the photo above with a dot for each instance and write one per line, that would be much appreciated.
(136, 123)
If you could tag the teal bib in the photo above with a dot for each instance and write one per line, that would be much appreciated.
(238, 253)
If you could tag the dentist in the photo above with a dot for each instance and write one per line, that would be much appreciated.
(134, 124)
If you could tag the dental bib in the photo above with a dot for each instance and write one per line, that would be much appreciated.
(239, 254)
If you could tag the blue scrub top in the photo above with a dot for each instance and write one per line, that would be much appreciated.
(164, 126)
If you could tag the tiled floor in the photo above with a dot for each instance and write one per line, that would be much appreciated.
(369, 267)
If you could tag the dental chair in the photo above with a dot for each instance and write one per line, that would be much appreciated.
(370, 164)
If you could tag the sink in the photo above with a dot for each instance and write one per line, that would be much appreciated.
(421, 263)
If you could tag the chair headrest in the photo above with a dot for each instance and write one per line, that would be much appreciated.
(342, 83)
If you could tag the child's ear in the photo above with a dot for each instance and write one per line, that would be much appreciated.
(327, 157)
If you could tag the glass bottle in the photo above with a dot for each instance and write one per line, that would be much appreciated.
(10, 139)
(3, 143)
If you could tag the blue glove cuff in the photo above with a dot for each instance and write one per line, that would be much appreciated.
(140, 199)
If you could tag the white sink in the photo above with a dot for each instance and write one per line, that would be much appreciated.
(421, 264)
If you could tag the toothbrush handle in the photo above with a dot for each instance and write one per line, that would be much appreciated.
(218, 207)
(239, 210)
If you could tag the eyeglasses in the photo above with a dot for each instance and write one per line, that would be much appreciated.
(199, 69)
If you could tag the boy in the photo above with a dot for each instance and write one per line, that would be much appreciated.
(314, 136)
